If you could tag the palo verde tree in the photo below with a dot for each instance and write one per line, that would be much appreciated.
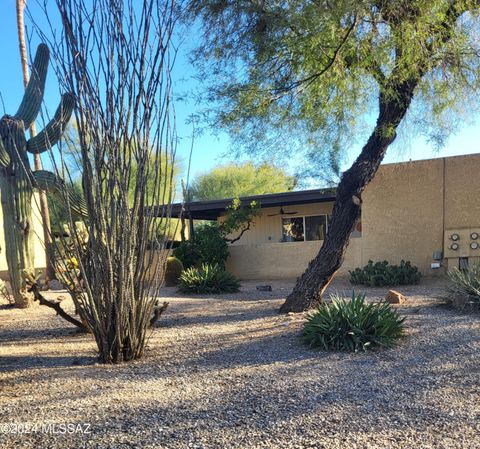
(309, 76)
(18, 181)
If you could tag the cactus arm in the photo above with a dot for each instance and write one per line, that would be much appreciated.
(4, 157)
(33, 96)
(45, 180)
(49, 136)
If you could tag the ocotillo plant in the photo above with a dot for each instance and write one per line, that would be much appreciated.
(18, 181)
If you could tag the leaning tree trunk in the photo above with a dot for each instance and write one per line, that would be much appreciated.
(311, 285)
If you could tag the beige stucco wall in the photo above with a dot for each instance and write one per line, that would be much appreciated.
(462, 192)
(38, 240)
(402, 213)
(406, 211)
(283, 260)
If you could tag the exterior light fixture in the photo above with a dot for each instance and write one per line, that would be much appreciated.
(454, 246)
(474, 245)
(455, 237)
(474, 235)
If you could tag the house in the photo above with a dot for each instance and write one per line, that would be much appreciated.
(425, 211)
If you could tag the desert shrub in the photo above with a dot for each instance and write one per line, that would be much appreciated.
(208, 279)
(352, 325)
(187, 252)
(207, 246)
(173, 270)
(466, 282)
(383, 274)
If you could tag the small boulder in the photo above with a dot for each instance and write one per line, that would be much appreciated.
(394, 297)
(264, 288)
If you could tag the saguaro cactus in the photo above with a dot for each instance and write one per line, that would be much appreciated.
(18, 181)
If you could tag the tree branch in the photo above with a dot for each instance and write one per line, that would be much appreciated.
(157, 312)
(55, 305)
(245, 229)
(309, 79)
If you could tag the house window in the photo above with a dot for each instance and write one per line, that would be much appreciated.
(299, 229)
(293, 229)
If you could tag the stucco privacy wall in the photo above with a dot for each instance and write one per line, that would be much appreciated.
(282, 260)
(406, 210)
(38, 240)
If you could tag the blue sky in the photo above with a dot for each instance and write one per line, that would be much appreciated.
(209, 148)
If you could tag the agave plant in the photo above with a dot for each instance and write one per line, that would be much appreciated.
(467, 281)
(208, 279)
(352, 325)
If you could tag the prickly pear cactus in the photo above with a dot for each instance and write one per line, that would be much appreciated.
(18, 181)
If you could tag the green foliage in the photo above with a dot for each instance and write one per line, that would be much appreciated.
(466, 282)
(209, 243)
(208, 279)
(188, 253)
(353, 325)
(383, 274)
(207, 246)
(303, 77)
(238, 219)
(173, 270)
(59, 214)
(235, 180)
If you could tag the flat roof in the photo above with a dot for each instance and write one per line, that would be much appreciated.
(212, 209)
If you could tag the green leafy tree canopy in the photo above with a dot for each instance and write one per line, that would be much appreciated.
(305, 76)
(237, 180)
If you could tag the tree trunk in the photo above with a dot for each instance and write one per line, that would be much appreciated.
(47, 235)
(311, 285)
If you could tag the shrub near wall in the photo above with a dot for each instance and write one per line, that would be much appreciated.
(208, 279)
(208, 245)
(380, 274)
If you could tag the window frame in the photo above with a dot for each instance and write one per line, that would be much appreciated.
(304, 227)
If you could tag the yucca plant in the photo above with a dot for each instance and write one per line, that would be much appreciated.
(466, 282)
(208, 279)
(352, 325)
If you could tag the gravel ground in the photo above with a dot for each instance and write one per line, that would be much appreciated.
(230, 372)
